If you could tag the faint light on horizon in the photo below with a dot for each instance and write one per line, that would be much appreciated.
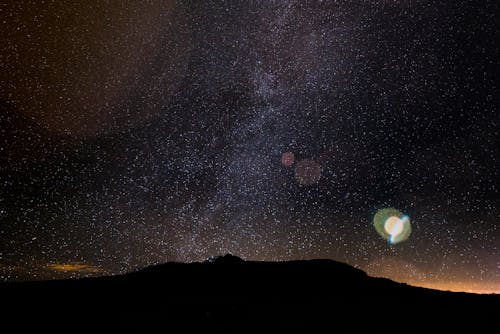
(75, 267)
(469, 287)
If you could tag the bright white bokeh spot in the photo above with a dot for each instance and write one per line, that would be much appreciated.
(394, 226)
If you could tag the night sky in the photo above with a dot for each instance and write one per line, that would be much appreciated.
(135, 133)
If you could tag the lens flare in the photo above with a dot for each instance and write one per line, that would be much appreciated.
(307, 172)
(287, 159)
(392, 225)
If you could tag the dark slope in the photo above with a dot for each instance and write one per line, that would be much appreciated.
(229, 294)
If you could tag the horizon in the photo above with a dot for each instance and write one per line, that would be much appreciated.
(78, 270)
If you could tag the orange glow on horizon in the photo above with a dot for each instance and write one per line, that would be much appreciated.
(75, 267)
(470, 287)
(402, 271)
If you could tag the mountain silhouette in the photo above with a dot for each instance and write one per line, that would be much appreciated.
(225, 259)
(228, 294)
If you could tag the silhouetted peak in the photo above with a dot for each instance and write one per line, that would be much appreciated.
(225, 259)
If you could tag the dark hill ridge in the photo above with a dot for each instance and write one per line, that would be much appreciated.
(230, 294)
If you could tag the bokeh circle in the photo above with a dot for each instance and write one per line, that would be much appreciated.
(392, 225)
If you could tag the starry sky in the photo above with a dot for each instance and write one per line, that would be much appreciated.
(135, 133)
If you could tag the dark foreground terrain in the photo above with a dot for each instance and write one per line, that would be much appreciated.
(231, 295)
